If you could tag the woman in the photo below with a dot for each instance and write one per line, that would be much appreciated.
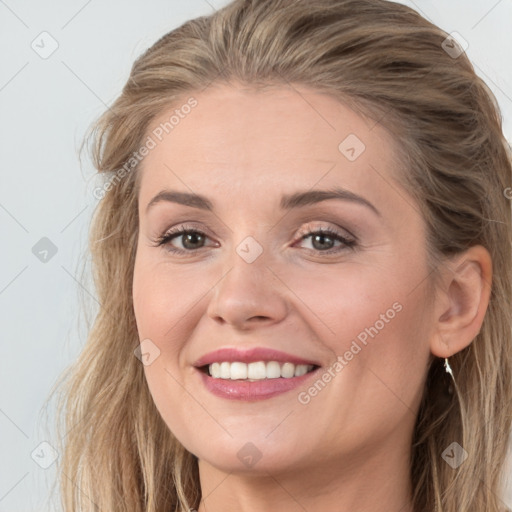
(303, 256)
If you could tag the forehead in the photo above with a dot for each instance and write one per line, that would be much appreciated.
(282, 136)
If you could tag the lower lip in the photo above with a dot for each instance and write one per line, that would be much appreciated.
(251, 391)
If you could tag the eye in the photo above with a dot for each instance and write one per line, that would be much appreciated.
(192, 239)
(319, 237)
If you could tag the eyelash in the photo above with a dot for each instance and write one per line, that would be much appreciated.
(167, 237)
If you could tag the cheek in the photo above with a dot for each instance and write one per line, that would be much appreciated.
(163, 307)
(166, 307)
(386, 375)
(175, 404)
(371, 300)
(165, 297)
(377, 321)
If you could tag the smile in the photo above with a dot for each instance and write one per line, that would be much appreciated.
(238, 387)
(255, 371)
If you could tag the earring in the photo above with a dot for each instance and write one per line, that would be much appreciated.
(448, 369)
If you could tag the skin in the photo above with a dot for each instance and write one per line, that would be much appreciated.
(348, 448)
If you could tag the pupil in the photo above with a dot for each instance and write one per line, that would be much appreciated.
(189, 237)
(316, 237)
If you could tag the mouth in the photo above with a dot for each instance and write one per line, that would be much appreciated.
(247, 383)
(250, 374)
(256, 371)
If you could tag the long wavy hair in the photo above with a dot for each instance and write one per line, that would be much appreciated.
(387, 62)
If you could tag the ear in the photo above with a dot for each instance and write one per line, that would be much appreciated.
(461, 301)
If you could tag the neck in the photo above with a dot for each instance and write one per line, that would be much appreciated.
(375, 480)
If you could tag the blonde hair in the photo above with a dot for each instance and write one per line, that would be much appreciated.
(386, 61)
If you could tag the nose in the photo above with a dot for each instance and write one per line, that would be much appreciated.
(248, 295)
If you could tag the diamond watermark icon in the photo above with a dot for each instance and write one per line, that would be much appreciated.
(44, 250)
(249, 249)
(44, 45)
(455, 45)
(249, 454)
(454, 455)
(147, 352)
(352, 147)
(44, 455)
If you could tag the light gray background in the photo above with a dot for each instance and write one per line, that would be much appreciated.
(46, 106)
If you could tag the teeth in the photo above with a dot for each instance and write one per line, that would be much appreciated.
(255, 371)
(258, 370)
(273, 370)
(287, 370)
(238, 371)
(225, 371)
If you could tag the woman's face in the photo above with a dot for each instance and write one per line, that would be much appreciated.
(255, 273)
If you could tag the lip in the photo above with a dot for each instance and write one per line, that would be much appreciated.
(251, 355)
(252, 391)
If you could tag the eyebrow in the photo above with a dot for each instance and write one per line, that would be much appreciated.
(288, 202)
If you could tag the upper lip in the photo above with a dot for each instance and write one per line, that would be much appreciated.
(251, 355)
